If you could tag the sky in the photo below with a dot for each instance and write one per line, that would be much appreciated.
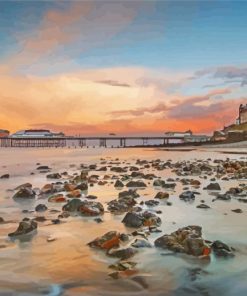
(124, 67)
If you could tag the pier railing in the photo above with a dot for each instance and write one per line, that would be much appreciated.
(26, 142)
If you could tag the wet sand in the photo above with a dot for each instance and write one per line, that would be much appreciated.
(67, 266)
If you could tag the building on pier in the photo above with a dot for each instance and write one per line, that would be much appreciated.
(4, 133)
(38, 133)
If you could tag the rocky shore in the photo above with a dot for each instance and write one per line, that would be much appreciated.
(140, 217)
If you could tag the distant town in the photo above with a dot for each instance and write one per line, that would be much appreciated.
(235, 132)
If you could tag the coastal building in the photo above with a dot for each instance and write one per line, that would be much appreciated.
(179, 134)
(4, 133)
(242, 116)
(196, 138)
(39, 133)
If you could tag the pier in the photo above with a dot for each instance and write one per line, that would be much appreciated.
(61, 142)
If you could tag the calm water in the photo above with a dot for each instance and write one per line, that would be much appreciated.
(67, 266)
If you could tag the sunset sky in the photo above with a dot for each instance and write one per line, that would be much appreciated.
(122, 66)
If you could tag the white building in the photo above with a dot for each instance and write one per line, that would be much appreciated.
(42, 133)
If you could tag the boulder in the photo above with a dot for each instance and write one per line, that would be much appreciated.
(213, 187)
(162, 195)
(118, 184)
(133, 220)
(72, 206)
(24, 227)
(91, 208)
(122, 254)
(41, 208)
(186, 240)
(107, 241)
(24, 193)
(136, 184)
(221, 249)
(128, 193)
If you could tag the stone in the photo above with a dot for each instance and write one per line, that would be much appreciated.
(91, 208)
(57, 198)
(25, 185)
(186, 240)
(72, 206)
(203, 206)
(187, 196)
(151, 203)
(159, 183)
(162, 195)
(118, 184)
(141, 243)
(213, 187)
(91, 197)
(74, 194)
(69, 187)
(82, 186)
(132, 220)
(109, 240)
(238, 211)
(129, 193)
(48, 189)
(5, 176)
(24, 193)
(122, 254)
(42, 168)
(54, 176)
(41, 208)
(136, 184)
(24, 227)
(221, 249)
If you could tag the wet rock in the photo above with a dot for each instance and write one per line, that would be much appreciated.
(118, 170)
(5, 176)
(48, 189)
(121, 205)
(98, 220)
(203, 206)
(69, 187)
(213, 187)
(185, 240)
(187, 195)
(221, 249)
(151, 203)
(162, 195)
(54, 176)
(195, 183)
(83, 186)
(129, 193)
(24, 193)
(74, 194)
(107, 241)
(238, 211)
(25, 185)
(91, 197)
(72, 206)
(91, 208)
(224, 197)
(24, 227)
(1, 220)
(159, 183)
(136, 184)
(118, 184)
(124, 237)
(42, 168)
(133, 220)
(41, 208)
(122, 254)
(40, 219)
(141, 243)
(123, 265)
(57, 198)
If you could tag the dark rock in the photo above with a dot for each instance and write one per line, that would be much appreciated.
(24, 227)
(54, 176)
(129, 193)
(151, 203)
(213, 187)
(5, 176)
(43, 168)
(162, 195)
(187, 196)
(91, 197)
(107, 241)
(90, 208)
(41, 208)
(83, 186)
(238, 211)
(118, 184)
(203, 206)
(221, 249)
(141, 243)
(136, 184)
(25, 193)
(72, 206)
(122, 254)
(133, 220)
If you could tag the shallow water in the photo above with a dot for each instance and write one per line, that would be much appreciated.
(67, 266)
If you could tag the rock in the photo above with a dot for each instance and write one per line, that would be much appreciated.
(185, 240)
(5, 176)
(25, 193)
(133, 220)
(74, 194)
(107, 241)
(123, 265)
(141, 243)
(136, 184)
(48, 189)
(203, 206)
(195, 183)
(43, 168)
(54, 176)
(72, 206)
(41, 208)
(24, 227)
(118, 184)
(221, 249)
(40, 219)
(91, 197)
(121, 205)
(98, 220)
(69, 187)
(50, 239)
(118, 170)
(213, 187)
(122, 254)
(187, 196)
(1, 220)
(238, 211)
(162, 195)
(25, 185)
(151, 203)
(91, 208)
(159, 183)
(82, 186)
(129, 193)
(57, 198)
(223, 196)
